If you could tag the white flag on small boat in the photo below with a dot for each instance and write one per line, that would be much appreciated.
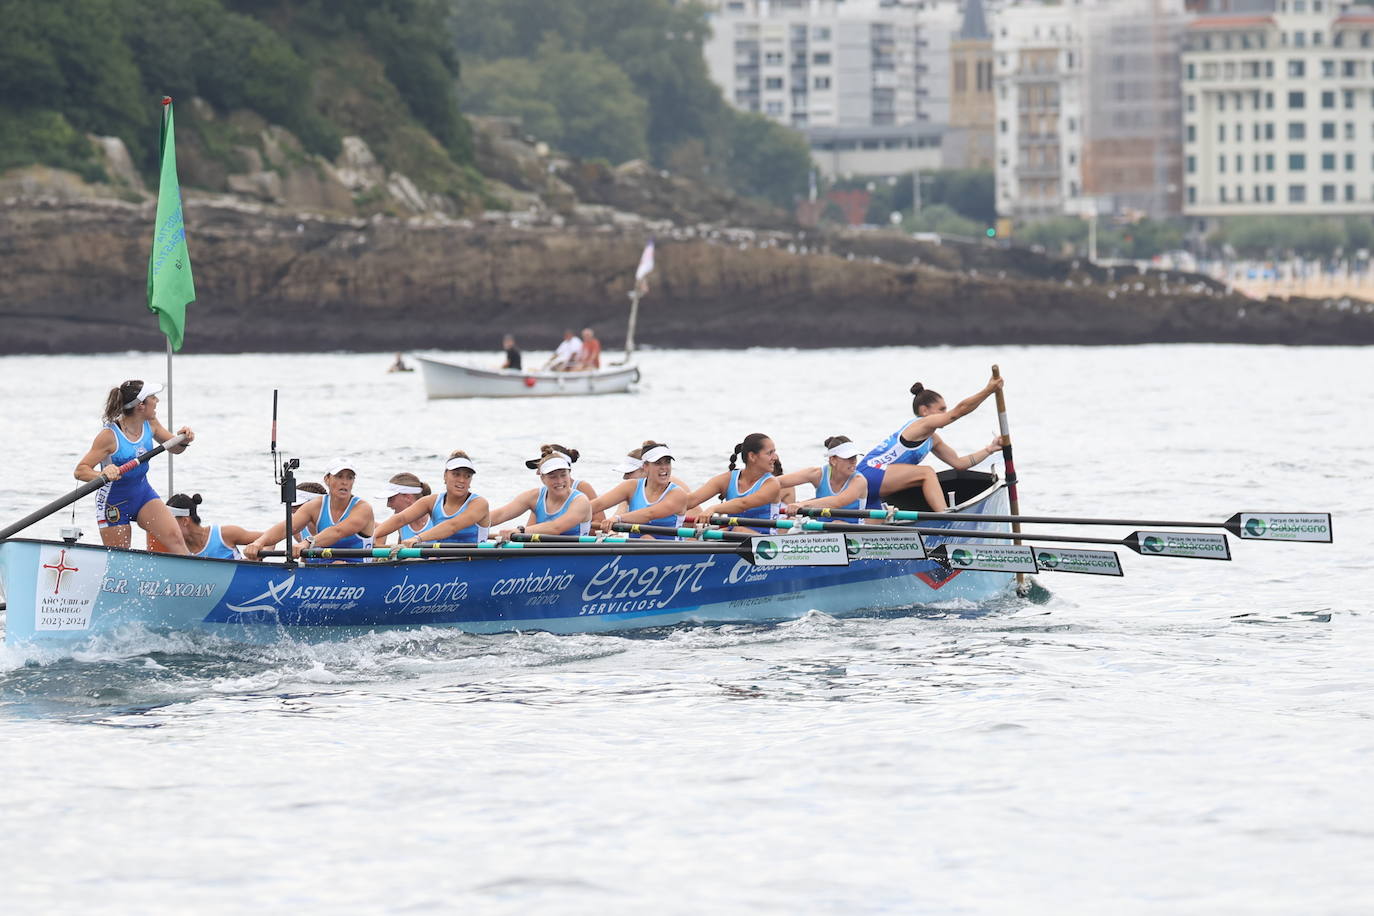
(646, 262)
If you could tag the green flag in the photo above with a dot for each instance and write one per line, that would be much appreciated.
(170, 287)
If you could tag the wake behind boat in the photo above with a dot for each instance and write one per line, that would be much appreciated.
(445, 379)
(66, 593)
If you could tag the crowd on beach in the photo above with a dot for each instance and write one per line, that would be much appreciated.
(753, 488)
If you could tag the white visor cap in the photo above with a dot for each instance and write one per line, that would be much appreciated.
(627, 465)
(148, 390)
(556, 463)
(454, 464)
(397, 489)
(339, 465)
(844, 450)
(657, 453)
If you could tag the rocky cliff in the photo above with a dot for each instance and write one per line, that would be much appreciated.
(345, 255)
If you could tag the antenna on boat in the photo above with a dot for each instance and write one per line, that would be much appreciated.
(283, 474)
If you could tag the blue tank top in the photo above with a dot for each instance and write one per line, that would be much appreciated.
(542, 514)
(472, 534)
(327, 520)
(767, 510)
(892, 451)
(215, 548)
(408, 532)
(127, 450)
(823, 489)
(639, 501)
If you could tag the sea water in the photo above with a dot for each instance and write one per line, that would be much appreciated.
(1196, 737)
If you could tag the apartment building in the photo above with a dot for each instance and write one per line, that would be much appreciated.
(1278, 113)
(858, 77)
(1038, 65)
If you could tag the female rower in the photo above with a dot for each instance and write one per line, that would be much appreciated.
(749, 492)
(631, 467)
(400, 493)
(655, 499)
(340, 519)
(894, 464)
(219, 542)
(456, 516)
(838, 483)
(131, 428)
(306, 491)
(554, 506)
(572, 455)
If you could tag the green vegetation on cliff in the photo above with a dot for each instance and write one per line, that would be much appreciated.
(618, 80)
(320, 68)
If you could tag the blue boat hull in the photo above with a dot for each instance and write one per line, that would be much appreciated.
(66, 593)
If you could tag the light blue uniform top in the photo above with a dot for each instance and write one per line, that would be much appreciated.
(327, 520)
(472, 534)
(215, 548)
(638, 500)
(767, 510)
(542, 514)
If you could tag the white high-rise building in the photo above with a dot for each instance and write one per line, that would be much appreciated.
(1278, 113)
(866, 80)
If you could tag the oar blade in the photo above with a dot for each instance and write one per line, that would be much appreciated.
(826, 549)
(1088, 562)
(884, 545)
(1191, 545)
(1003, 558)
(1311, 527)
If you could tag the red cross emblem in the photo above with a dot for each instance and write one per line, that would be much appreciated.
(61, 567)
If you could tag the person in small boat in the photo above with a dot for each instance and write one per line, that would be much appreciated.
(895, 463)
(838, 483)
(589, 357)
(513, 360)
(339, 518)
(455, 516)
(399, 365)
(131, 428)
(219, 542)
(565, 357)
(400, 493)
(747, 492)
(653, 499)
(554, 507)
(306, 490)
(572, 454)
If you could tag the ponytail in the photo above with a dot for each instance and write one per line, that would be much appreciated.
(118, 397)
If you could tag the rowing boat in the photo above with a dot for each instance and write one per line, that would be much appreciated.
(444, 379)
(65, 593)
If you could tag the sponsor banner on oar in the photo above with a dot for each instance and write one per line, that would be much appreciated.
(1281, 526)
(885, 546)
(800, 550)
(986, 557)
(1179, 544)
(1091, 562)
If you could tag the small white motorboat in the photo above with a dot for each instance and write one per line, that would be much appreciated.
(445, 379)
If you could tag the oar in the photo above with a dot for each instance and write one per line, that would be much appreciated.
(631, 542)
(491, 550)
(1012, 498)
(697, 533)
(1311, 527)
(1145, 543)
(88, 487)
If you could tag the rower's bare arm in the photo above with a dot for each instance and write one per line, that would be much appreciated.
(235, 536)
(856, 490)
(472, 514)
(768, 492)
(103, 447)
(580, 511)
(713, 487)
(959, 462)
(522, 503)
(674, 502)
(969, 404)
(411, 513)
(613, 497)
(589, 491)
(358, 521)
(797, 478)
(161, 435)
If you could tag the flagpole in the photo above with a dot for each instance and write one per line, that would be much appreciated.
(171, 424)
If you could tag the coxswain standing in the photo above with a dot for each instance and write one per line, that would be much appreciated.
(131, 429)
